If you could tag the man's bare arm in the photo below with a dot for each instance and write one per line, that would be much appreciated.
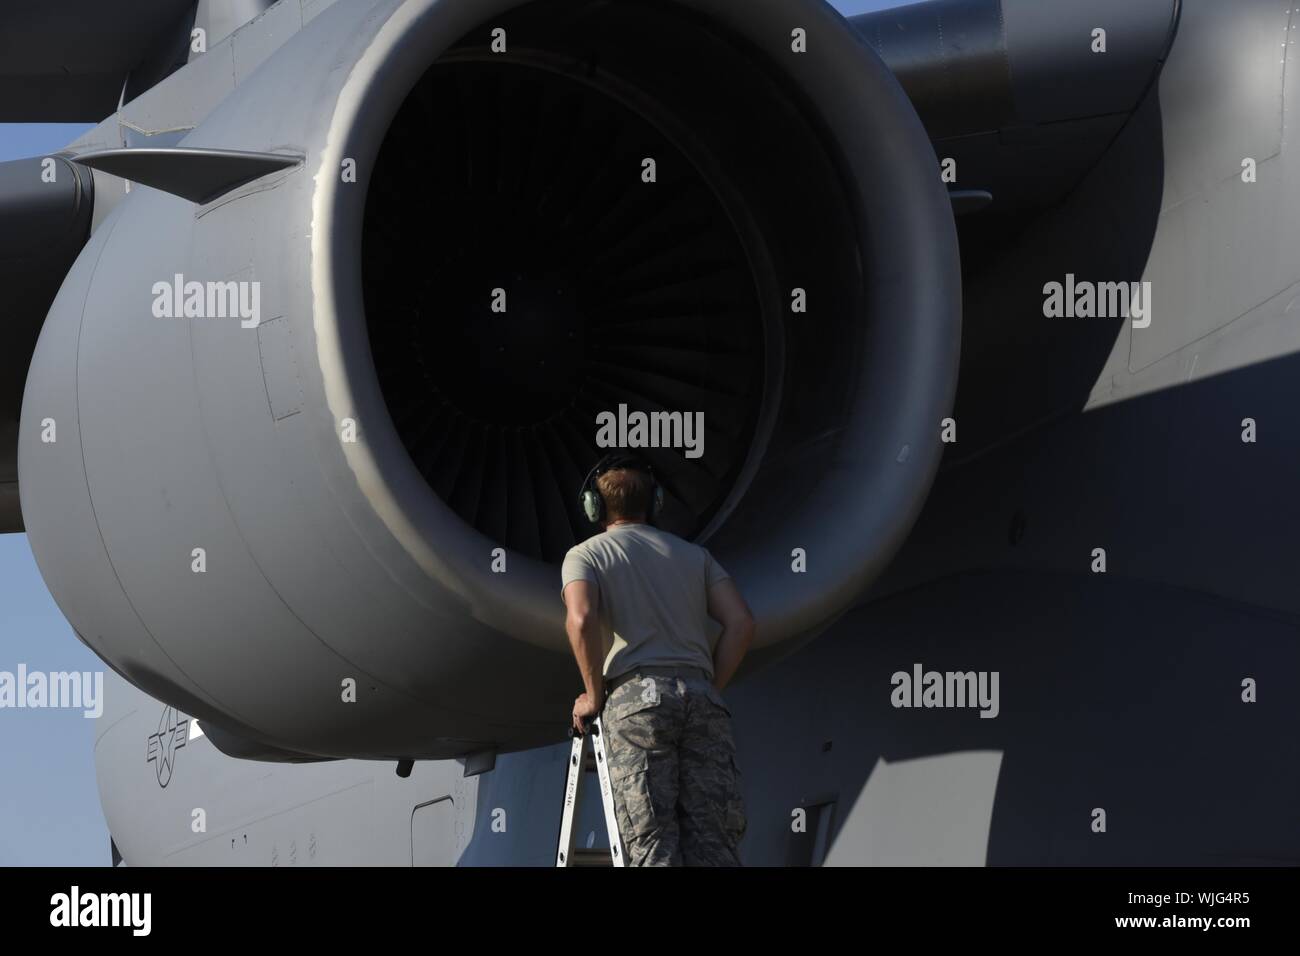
(728, 607)
(582, 599)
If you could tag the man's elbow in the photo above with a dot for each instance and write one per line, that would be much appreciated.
(579, 623)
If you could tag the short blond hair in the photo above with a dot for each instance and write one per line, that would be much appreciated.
(626, 492)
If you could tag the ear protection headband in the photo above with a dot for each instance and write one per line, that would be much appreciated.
(593, 505)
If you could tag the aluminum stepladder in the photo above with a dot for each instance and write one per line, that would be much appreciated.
(582, 763)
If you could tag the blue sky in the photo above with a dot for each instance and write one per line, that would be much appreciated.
(49, 804)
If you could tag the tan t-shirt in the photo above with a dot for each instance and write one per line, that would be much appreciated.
(653, 597)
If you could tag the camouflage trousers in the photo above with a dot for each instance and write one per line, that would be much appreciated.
(672, 764)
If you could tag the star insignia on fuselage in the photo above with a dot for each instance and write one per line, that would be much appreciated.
(173, 733)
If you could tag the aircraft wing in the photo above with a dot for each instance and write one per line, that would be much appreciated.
(68, 60)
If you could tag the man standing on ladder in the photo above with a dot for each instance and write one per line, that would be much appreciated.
(667, 729)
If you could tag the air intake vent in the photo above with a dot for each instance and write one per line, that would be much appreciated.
(522, 178)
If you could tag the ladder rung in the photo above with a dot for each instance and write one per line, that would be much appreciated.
(597, 856)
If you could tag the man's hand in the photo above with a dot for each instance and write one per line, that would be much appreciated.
(583, 708)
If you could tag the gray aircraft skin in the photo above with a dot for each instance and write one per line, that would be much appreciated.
(316, 536)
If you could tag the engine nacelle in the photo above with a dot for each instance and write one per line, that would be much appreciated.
(702, 207)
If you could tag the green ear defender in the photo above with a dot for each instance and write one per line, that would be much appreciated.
(593, 505)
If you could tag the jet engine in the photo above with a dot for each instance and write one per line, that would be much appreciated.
(328, 522)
